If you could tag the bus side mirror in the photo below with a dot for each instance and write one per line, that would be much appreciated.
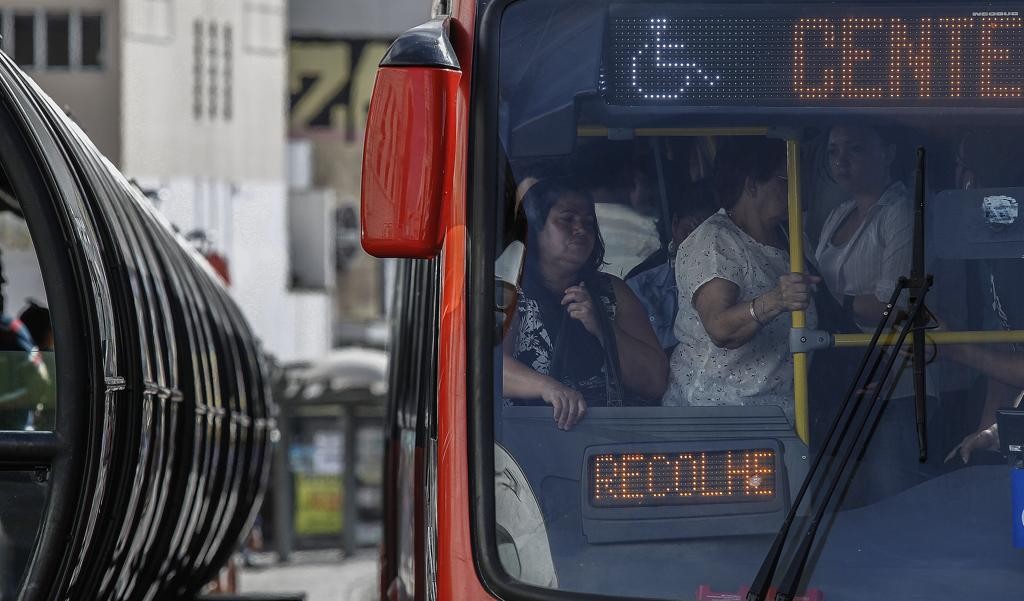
(409, 150)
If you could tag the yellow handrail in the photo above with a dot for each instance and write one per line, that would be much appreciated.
(934, 337)
(600, 131)
(796, 265)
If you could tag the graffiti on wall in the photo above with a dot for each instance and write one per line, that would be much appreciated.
(330, 83)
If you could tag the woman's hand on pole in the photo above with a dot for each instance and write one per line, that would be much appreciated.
(793, 292)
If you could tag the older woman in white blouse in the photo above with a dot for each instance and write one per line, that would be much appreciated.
(735, 286)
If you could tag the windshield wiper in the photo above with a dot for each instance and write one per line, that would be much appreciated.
(920, 283)
(822, 463)
(789, 583)
(842, 447)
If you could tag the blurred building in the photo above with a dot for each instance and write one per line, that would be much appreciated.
(188, 98)
(334, 49)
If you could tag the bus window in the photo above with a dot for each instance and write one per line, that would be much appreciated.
(27, 386)
(27, 368)
(661, 429)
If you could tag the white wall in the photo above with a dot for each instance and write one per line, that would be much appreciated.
(296, 326)
(225, 175)
(252, 233)
(20, 265)
(160, 131)
(356, 18)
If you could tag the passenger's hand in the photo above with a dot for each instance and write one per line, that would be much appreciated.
(794, 291)
(580, 306)
(569, 404)
(978, 441)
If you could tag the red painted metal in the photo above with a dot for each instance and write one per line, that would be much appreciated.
(414, 205)
(407, 161)
(457, 577)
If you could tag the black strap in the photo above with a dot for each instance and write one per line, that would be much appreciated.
(612, 368)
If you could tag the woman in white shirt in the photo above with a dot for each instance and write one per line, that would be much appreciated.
(735, 286)
(865, 246)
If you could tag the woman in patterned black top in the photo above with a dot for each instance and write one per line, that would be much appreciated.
(579, 336)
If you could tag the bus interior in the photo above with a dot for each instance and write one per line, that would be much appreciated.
(600, 507)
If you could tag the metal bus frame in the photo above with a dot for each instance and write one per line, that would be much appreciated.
(483, 160)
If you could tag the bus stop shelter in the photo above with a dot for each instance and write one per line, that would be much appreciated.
(326, 483)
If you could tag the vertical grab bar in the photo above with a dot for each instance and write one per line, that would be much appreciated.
(796, 265)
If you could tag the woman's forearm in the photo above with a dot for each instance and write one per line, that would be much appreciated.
(520, 382)
(735, 326)
(1005, 366)
(644, 368)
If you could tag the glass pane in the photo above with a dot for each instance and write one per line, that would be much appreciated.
(58, 51)
(652, 426)
(369, 473)
(22, 502)
(28, 388)
(92, 41)
(316, 456)
(25, 40)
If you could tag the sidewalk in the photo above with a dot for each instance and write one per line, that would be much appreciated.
(323, 576)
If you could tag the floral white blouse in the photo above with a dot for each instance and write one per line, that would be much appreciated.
(761, 371)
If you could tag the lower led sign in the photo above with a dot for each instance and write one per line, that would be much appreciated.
(682, 478)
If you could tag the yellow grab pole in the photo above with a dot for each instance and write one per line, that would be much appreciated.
(600, 131)
(796, 265)
(934, 337)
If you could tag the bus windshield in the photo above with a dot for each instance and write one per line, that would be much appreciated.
(705, 216)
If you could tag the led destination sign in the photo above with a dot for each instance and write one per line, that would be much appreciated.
(912, 57)
(686, 478)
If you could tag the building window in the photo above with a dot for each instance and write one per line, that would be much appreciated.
(214, 90)
(25, 39)
(92, 40)
(228, 69)
(61, 39)
(197, 69)
(58, 31)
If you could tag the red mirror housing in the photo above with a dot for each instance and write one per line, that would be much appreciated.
(409, 153)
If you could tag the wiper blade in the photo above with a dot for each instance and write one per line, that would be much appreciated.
(841, 447)
(920, 284)
(851, 404)
(789, 583)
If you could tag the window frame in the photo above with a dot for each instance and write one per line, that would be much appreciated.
(482, 182)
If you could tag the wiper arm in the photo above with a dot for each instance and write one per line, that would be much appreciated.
(789, 583)
(839, 447)
(851, 404)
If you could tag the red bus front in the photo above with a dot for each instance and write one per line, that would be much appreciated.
(703, 301)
